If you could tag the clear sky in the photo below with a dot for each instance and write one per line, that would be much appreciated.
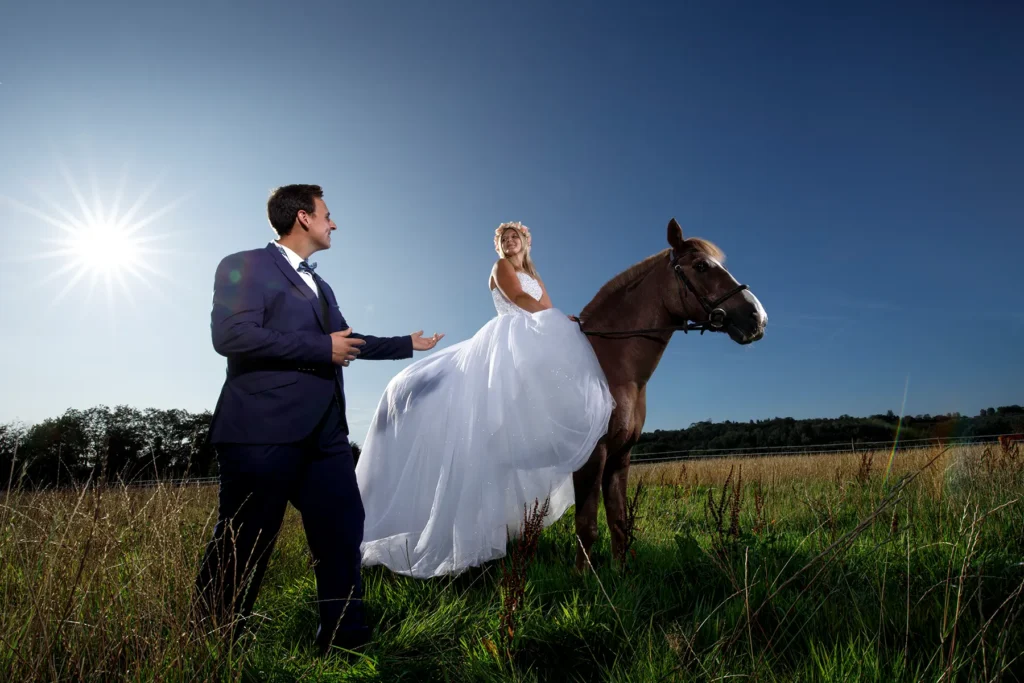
(861, 164)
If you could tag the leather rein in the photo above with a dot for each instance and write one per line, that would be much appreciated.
(716, 314)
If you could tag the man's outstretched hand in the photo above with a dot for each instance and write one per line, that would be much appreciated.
(343, 347)
(419, 343)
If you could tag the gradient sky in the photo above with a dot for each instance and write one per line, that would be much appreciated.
(861, 164)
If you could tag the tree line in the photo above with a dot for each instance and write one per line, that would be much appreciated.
(786, 432)
(126, 444)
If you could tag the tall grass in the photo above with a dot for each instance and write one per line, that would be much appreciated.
(822, 568)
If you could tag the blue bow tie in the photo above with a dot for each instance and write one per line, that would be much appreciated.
(304, 266)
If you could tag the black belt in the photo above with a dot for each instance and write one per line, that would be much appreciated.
(326, 371)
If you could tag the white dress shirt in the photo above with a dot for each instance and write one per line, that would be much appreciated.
(294, 259)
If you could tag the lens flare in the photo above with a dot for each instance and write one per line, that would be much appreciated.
(899, 426)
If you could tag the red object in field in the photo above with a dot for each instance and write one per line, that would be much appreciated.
(1007, 440)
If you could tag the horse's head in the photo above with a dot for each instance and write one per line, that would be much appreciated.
(708, 293)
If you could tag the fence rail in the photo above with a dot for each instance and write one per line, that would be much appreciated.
(810, 449)
(197, 481)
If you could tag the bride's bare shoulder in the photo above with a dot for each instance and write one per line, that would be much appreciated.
(501, 269)
(492, 278)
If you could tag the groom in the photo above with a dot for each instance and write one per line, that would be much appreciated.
(279, 428)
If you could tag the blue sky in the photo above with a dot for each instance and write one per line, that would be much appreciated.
(861, 165)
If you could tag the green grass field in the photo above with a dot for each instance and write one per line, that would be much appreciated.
(817, 568)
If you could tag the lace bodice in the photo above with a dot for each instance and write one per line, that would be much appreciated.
(506, 307)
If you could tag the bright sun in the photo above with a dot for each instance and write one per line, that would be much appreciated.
(101, 243)
(102, 247)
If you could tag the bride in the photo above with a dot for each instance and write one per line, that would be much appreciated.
(462, 440)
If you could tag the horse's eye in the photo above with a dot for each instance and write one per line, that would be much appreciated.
(700, 266)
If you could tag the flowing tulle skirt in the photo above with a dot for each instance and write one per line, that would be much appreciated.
(466, 437)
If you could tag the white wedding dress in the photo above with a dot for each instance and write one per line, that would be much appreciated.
(466, 437)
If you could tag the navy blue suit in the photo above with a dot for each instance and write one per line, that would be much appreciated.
(280, 434)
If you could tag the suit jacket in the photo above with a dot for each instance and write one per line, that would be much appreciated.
(270, 326)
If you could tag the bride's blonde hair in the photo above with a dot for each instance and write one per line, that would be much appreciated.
(524, 237)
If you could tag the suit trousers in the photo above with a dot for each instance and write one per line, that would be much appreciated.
(317, 475)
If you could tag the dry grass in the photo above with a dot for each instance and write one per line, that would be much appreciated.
(97, 582)
(785, 469)
(802, 568)
(522, 551)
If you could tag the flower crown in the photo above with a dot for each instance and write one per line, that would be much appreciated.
(523, 230)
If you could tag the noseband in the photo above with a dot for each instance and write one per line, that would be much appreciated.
(716, 314)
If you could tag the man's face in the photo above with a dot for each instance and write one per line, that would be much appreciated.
(318, 224)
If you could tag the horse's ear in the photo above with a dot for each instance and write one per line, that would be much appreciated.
(675, 235)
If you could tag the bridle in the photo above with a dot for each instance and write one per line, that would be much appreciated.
(716, 314)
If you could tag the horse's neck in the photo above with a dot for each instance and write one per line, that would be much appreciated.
(634, 306)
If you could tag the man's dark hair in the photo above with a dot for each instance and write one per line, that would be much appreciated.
(285, 203)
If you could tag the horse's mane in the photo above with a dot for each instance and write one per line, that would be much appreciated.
(636, 272)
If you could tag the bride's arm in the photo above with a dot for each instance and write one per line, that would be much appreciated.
(508, 283)
(545, 300)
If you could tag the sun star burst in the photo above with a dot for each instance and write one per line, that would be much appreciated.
(103, 244)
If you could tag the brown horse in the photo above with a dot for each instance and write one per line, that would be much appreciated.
(630, 322)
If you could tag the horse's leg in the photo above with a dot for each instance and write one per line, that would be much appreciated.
(587, 486)
(616, 477)
(616, 474)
